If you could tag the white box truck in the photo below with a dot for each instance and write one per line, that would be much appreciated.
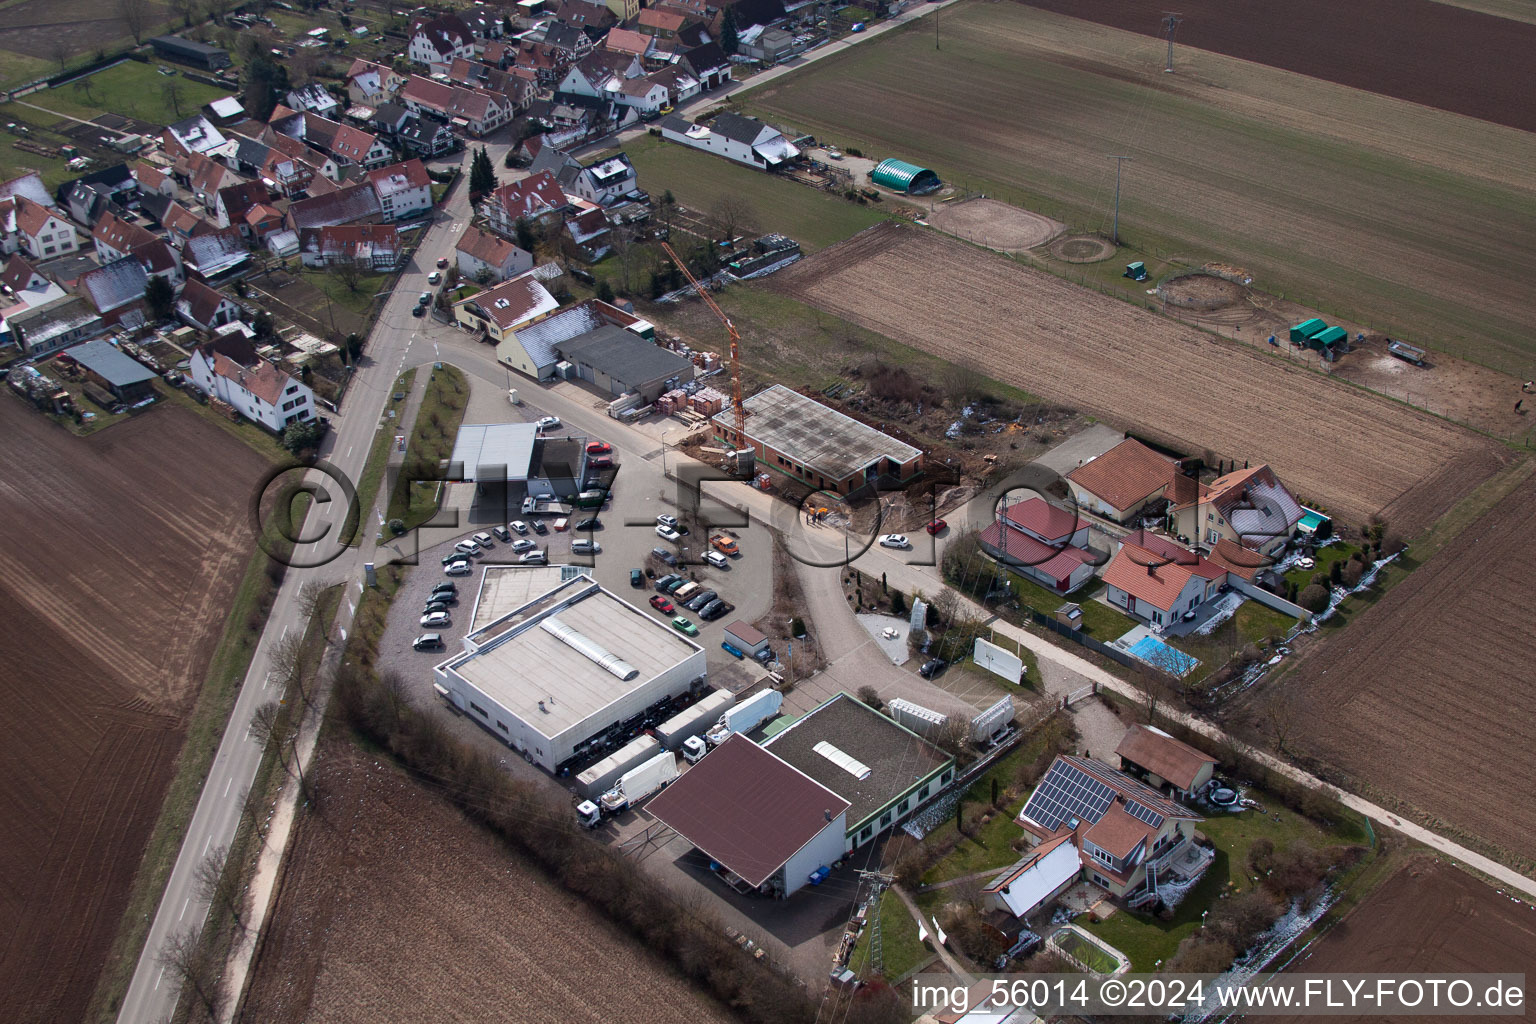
(635, 785)
(692, 721)
(600, 777)
(746, 716)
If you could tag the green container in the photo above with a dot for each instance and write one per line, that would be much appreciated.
(1326, 339)
(1304, 331)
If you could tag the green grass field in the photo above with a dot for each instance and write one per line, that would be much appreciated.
(699, 181)
(133, 89)
(1402, 217)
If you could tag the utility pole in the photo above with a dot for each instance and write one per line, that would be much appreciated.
(1119, 163)
(1170, 26)
(936, 29)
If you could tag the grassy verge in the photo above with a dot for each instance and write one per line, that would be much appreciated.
(242, 632)
(133, 89)
(416, 494)
(378, 460)
(1147, 939)
(900, 948)
(700, 181)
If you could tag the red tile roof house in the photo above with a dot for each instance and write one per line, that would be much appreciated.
(1119, 484)
(404, 189)
(374, 246)
(26, 226)
(1044, 543)
(1129, 838)
(480, 251)
(204, 307)
(1164, 763)
(116, 238)
(1155, 580)
(535, 198)
(229, 370)
(1250, 508)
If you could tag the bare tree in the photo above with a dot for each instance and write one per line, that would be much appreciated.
(83, 87)
(1278, 713)
(171, 91)
(945, 605)
(307, 601)
(1160, 688)
(196, 970)
(732, 214)
(213, 882)
(185, 9)
(136, 15)
(953, 737)
(348, 273)
(963, 382)
(59, 49)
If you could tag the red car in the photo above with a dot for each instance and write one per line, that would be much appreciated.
(442, 261)
(662, 605)
(936, 526)
(599, 448)
(601, 462)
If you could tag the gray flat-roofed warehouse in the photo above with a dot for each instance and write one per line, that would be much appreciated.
(127, 378)
(190, 51)
(817, 445)
(565, 667)
(764, 822)
(621, 361)
(884, 770)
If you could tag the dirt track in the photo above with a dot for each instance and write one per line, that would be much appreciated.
(389, 891)
(1356, 453)
(1432, 918)
(993, 224)
(1417, 50)
(121, 554)
(1430, 695)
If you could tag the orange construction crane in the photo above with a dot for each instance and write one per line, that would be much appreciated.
(741, 414)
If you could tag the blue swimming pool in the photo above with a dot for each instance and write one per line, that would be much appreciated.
(1158, 654)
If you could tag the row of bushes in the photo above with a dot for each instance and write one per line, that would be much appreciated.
(539, 824)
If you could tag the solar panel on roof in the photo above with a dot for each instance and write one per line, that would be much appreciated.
(1144, 813)
(1067, 792)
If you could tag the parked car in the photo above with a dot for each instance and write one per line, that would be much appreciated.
(676, 585)
(932, 667)
(539, 527)
(668, 533)
(502, 533)
(698, 601)
(590, 523)
(663, 582)
(662, 605)
(454, 556)
(665, 555)
(531, 558)
(460, 568)
(424, 298)
(561, 524)
(717, 560)
(428, 642)
(442, 261)
(598, 447)
(583, 546)
(600, 462)
(935, 526)
(724, 544)
(548, 423)
(446, 587)
(894, 540)
(419, 310)
(467, 546)
(685, 627)
(485, 540)
(637, 578)
(522, 544)
(666, 520)
(434, 606)
(518, 526)
(443, 597)
(715, 609)
(435, 619)
(434, 277)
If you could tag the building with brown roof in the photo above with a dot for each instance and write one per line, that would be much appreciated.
(1248, 507)
(535, 198)
(1129, 838)
(374, 247)
(226, 369)
(116, 238)
(1047, 544)
(1164, 763)
(768, 825)
(627, 41)
(659, 23)
(37, 230)
(481, 253)
(231, 203)
(1157, 581)
(498, 312)
(1122, 482)
(348, 205)
(204, 307)
(404, 189)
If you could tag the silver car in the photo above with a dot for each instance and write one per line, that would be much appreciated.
(437, 619)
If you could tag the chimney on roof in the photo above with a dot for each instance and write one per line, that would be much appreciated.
(827, 813)
(543, 708)
(1151, 569)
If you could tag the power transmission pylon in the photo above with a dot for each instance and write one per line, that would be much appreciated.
(1170, 26)
(1119, 163)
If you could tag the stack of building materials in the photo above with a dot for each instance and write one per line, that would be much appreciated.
(707, 402)
(672, 402)
(706, 361)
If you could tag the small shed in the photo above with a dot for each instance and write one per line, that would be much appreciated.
(746, 638)
(1136, 271)
(900, 176)
(126, 378)
(1324, 341)
(1303, 332)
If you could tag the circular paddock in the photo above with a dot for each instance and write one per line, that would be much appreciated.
(1201, 292)
(993, 224)
(1082, 249)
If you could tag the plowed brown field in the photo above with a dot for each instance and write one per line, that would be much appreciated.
(1428, 918)
(1430, 695)
(1432, 53)
(120, 556)
(389, 891)
(1355, 452)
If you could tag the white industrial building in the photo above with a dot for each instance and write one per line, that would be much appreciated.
(567, 665)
